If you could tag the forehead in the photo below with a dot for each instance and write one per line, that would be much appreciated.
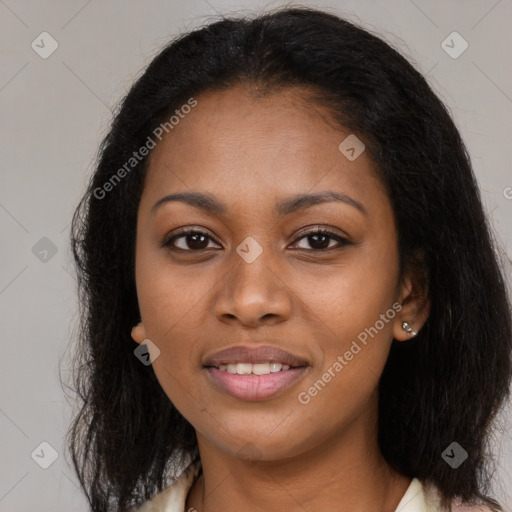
(235, 143)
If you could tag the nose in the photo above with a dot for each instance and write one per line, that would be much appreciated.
(253, 294)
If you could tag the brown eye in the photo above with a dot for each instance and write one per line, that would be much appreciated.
(320, 240)
(190, 240)
(194, 240)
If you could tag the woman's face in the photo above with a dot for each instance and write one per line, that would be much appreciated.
(256, 275)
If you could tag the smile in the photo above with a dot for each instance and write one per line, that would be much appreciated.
(254, 369)
(252, 387)
(254, 373)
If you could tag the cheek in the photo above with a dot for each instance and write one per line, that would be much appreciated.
(169, 305)
(173, 321)
(350, 297)
(354, 308)
(170, 296)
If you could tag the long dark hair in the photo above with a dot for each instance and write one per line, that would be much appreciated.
(127, 440)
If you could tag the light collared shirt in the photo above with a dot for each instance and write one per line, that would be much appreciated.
(417, 497)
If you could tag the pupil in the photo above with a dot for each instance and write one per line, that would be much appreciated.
(195, 244)
(323, 244)
(199, 241)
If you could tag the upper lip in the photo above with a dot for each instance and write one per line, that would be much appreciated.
(245, 354)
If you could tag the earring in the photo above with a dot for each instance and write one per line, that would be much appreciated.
(408, 328)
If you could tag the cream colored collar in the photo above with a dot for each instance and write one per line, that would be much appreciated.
(417, 498)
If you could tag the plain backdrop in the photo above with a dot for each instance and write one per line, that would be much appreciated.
(55, 110)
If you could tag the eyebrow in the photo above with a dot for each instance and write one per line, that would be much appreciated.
(210, 204)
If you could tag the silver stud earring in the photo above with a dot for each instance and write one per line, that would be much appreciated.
(408, 328)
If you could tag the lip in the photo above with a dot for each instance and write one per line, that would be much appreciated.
(261, 354)
(254, 387)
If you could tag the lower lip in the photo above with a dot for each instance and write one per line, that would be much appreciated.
(255, 387)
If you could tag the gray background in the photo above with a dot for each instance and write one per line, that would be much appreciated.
(54, 113)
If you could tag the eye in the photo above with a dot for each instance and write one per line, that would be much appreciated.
(319, 240)
(193, 240)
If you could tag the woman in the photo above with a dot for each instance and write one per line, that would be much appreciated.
(289, 286)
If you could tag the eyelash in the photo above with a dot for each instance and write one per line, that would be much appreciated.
(183, 232)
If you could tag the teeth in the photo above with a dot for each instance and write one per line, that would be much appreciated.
(261, 368)
(275, 367)
(243, 368)
(256, 369)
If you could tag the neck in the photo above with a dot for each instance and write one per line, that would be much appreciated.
(347, 474)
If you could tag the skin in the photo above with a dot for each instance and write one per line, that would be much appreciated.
(250, 152)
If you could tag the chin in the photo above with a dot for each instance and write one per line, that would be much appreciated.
(254, 446)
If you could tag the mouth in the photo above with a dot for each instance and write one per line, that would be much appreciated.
(263, 368)
(253, 374)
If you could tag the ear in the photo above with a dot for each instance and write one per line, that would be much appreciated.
(413, 297)
(139, 333)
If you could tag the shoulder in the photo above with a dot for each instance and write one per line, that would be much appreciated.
(419, 497)
(425, 497)
(457, 506)
(173, 498)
